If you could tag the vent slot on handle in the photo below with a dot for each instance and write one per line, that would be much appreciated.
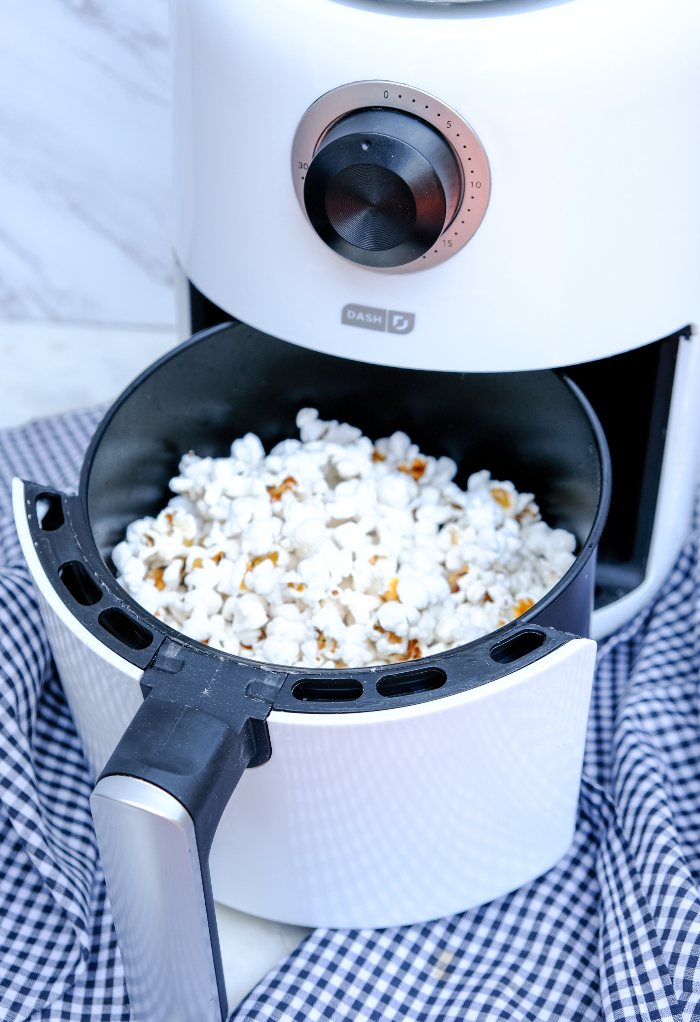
(125, 629)
(516, 647)
(77, 581)
(410, 682)
(49, 512)
(336, 690)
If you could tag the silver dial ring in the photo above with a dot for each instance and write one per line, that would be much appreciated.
(471, 157)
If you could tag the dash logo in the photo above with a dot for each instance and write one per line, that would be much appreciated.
(378, 319)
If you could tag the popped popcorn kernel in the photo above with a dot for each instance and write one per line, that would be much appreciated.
(520, 606)
(284, 487)
(500, 496)
(157, 575)
(413, 652)
(333, 551)
(416, 470)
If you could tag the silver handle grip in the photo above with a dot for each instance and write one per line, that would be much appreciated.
(156, 808)
(154, 881)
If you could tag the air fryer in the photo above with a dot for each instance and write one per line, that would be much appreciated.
(206, 715)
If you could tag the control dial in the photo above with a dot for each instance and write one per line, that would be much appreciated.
(389, 176)
(382, 187)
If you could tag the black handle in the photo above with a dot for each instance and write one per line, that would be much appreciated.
(382, 187)
(193, 737)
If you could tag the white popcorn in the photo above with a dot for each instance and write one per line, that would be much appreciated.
(133, 572)
(397, 490)
(332, 551)
(249, 613)
(395, 617)
(413, 593)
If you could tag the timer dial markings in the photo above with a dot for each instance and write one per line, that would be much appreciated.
(435, 133)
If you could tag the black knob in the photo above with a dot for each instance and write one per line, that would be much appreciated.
(382, 187)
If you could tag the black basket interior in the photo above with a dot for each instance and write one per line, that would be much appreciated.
(529, 427)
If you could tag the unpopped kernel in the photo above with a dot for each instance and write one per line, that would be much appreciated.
(335, 551)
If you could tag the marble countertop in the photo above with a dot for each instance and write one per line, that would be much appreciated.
(85, 162)
(49, 368)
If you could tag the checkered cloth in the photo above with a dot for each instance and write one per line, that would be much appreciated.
(612, 932)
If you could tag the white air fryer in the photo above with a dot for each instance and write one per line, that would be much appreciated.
(477, 222)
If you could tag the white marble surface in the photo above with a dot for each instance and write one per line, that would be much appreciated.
(85, 161)
(48, 368)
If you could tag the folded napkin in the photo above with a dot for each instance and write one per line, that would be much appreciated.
(611, 932)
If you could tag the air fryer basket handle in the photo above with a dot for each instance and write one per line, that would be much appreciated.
(156, 808)
(157, 887)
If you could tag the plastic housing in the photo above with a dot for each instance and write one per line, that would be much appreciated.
(588, 113)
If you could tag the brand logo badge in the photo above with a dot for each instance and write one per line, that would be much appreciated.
(385, 320)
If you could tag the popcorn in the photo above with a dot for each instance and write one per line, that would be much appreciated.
(333, 551)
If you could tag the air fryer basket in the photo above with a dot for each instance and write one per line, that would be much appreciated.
(533, 428)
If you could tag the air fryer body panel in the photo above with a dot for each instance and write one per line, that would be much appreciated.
(387, 817)
(586, 112)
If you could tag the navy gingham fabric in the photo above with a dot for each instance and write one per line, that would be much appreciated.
(612, 932)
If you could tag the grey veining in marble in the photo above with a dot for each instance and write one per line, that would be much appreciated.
(85, 161)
